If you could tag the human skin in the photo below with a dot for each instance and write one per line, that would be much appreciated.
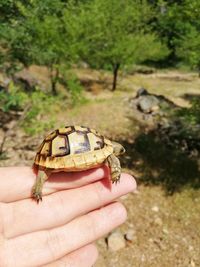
(77, 209)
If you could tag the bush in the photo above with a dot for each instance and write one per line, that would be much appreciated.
(75, 89)
(191, 115)
(36, 107)
(13, 99)
(37, 118)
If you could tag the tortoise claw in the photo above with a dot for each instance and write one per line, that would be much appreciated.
(37, 196)
(116, 181)
(39, 199)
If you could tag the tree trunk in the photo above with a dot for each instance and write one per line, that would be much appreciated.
(53, 86)
(2, 144)
(54, 75)
(115, 73)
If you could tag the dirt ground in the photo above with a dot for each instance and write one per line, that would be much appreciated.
(165, 223)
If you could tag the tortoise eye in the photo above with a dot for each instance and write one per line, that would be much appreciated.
(122, 151)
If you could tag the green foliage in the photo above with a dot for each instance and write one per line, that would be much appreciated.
(189, 49)
(9, 11)
(109, 38)
(37, 36)
(13, 99)
(37, 106)
(76, 90)
(177, 24)
(107, 34)
(191, 116)
(37, 119)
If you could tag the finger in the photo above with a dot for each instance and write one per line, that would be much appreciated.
(82, 257)
(16, 182)
(50, 245)
(61, 207)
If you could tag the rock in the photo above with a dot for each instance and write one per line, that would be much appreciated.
(190, 248)
(192, 263)
(150, 240)
(152, 106)
(2, 134)
(158, 221)
(137, 192)
(116, 241)
(4, 82)
(141, 91)
(154, 109)
(83, 65)
(130, 235)
(26, 79)
(165, 231)
(148, 103)
(9, 126)
(155, 208)
(143, 258)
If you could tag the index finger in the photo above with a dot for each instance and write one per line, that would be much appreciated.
(16, 182)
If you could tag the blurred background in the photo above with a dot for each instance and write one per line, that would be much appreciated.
(131, 70)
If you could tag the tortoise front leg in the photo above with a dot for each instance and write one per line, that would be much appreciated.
(42, 176)
(115, 168)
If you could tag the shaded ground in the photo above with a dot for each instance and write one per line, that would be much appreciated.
(158, 164)
(165, 211)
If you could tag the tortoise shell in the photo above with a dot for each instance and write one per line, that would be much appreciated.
(73, 148)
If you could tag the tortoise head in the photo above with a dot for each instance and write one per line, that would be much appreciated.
(118, 149)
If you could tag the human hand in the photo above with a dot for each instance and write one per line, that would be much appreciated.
(76, 210)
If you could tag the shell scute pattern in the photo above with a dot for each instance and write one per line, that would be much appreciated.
(46, 149)
(51, 136)
(73, 147)
(60, 146)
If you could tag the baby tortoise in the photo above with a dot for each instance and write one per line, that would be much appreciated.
(75, 148)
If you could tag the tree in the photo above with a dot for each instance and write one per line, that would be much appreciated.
(37, 36)
(189, 49)
(113, 34)
(188, 44)
(48, 47)
(175, 22)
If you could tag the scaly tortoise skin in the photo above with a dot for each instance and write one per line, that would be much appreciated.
(75, 148)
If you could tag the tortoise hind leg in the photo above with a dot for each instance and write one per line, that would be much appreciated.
(42, 176)
(115, 168)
